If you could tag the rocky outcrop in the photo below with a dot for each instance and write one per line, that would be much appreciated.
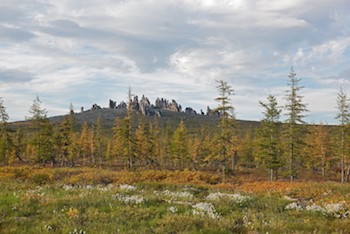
(112, 104)
(211, 112)
(190, 111)
(164, 104)
(95, 107)
(122, 105)
(145, 107)
(134, 104)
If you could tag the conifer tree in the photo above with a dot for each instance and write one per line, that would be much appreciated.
(246, 150)
(92, 147)
(156, 142)
(85, 143)
(343, 116)
(124, 139)
(179, 146)
(123, 145)
(4, 117)
(317, 149)
(19, 144)
(201, 149)
(74, 149)
(63, 137)
(268, 137)
(143, 145)
(226, 125)
(100, 143)
(5, 140)
(130, 139)
(195, 152)
(43, 133)
(295, 114)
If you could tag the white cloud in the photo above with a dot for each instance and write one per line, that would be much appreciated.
(92, 50)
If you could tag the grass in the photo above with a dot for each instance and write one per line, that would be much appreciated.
(41, 200)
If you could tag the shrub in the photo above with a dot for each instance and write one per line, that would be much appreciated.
(40, 178)
(90, 178)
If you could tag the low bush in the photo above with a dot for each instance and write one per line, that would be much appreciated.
(40, 178)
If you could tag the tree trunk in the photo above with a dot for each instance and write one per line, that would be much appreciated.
(291, 166)
(323, 166)
(271, 174)
(342, 156)
(347, 173)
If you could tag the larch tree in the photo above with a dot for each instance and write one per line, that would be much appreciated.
(124, 136)
(74, 149)
(43, 133)
(144, 145)
(179, 146)
(5, 140)
(226, 125)
(295, 108)
(141, 143)
(85, 143)
(246, 150)
(268, 137)
(92, 147)
(129, 134)
(100, 143)
(343, 116)
(19, 144)
(63, 138)
(317, 149)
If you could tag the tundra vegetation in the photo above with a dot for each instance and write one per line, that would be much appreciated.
(176, 172)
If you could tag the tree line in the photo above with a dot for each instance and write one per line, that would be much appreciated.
(288, 149)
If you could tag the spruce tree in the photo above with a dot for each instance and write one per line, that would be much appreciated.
(226, 125)
(268, 137)
(295, 119)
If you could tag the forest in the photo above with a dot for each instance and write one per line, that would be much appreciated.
(272, 150)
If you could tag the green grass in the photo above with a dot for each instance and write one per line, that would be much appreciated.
(32, 206)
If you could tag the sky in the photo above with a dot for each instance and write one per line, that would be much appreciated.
(89, 51)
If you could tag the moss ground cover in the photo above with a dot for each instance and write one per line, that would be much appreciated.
(34, 200)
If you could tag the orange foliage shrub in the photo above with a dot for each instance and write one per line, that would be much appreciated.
(92, 177)
(276, 187)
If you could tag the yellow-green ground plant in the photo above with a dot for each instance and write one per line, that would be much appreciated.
(64, 200)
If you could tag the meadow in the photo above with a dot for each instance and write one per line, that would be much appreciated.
(86, 200)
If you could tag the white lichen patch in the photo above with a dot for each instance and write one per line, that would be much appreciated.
(127, 187)
(129, 199)
(172, 209)
(205, 209)
(315, 208)
(234, 197)
(174, 195)
(294, 206)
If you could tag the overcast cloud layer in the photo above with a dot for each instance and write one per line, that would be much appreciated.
(90, 51)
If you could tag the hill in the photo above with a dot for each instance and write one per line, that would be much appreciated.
(169, 119)
(166, 113)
